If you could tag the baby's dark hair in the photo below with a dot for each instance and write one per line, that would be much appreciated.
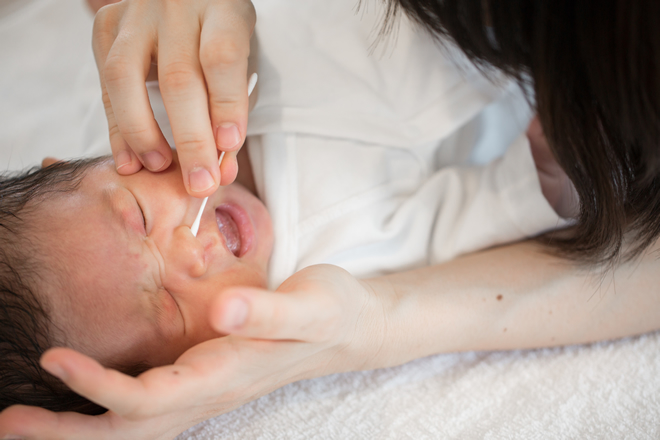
(26, 328)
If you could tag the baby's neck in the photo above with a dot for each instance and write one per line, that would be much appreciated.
(245, 176)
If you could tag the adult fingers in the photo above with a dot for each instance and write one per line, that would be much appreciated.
(104, 34)
(90, 379)
(30, 422)
(156, 392)
(229, 164)
(123, 62)
(262, 314)
(126, 162)
(184, 93)
(224, 51)
(27, 422)
(229, 167)
(133, 398)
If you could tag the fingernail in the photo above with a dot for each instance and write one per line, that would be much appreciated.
(227, 136)
(153, 160)
(200, 180)
(56, 371)
(236, 313)
(123, 158)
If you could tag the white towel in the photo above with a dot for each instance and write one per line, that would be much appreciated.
(607, 390)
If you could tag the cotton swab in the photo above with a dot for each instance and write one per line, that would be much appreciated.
(252, 82)
(195, 226)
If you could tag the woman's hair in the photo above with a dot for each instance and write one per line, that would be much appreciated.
(594, 67)
(26, 330)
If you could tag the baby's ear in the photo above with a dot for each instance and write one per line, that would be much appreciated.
(48, 162)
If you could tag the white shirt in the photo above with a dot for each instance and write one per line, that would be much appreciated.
(380, 160)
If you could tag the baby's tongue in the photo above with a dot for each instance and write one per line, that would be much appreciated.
(229, 229)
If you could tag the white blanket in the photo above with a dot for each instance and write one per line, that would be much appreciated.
(605, 390)
(601, 391)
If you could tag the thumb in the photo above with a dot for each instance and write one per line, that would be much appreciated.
(263, 314)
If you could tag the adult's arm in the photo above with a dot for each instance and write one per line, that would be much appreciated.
(323, 321)
(512, 297)
(200, 48)
(515, 297)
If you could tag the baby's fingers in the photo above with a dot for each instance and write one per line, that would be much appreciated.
(262, 314)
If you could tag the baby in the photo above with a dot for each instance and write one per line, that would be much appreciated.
(391, 176)
(107, 264)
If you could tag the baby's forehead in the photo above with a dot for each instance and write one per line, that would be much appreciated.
(82, 228)
(62, 207)
(59, 184)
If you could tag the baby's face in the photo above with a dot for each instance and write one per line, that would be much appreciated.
(134, 284)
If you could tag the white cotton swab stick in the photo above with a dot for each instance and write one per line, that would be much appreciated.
(195, 226)
(252, 82)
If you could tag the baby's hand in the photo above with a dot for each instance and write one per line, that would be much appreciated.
(320, 321)
(201, 49)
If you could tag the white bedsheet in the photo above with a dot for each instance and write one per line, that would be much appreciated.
(605, 390)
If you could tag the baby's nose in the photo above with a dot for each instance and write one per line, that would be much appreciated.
(186, 254)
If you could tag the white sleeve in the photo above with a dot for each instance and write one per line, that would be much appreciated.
(489, 205)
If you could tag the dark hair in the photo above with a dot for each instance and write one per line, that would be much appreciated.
(26, 330)
(594, 67)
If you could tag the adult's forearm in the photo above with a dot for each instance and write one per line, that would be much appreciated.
(513, 297)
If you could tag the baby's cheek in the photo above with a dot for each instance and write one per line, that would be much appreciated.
(245, 275)
(168, 314)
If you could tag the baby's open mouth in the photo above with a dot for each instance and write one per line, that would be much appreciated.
(229, 229)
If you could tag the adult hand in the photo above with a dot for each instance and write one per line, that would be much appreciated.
(320, 321)
(95, 5)
(201, 50)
